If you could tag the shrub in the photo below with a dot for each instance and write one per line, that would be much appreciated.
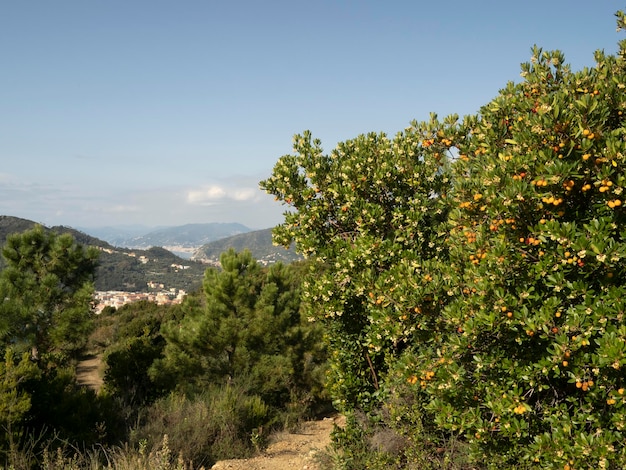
(218, 424)
(529, 358)
(485, 296)
(247, 330)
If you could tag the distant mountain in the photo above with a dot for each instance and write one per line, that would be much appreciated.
(183, 238)
(119, 234)
(124, 269)
(259, 242)
(191, 235)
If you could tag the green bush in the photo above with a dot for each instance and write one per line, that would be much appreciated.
(484, 294)
(247, 329)
(530, 351)
(217, 424)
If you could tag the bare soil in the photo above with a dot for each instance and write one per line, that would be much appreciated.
(89, 372)
(301, 450)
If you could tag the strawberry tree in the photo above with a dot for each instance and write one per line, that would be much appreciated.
(484, 297)
(533, 347)
(371, 213)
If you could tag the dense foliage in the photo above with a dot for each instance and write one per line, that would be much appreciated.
(248, 330)
(46, 292)
(226, 367)
(45, 313)
(536, 372)
(476, 299)
(206, 379)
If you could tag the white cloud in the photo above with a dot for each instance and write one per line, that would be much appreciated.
(98, 202)
(247, 194)
(213, 194)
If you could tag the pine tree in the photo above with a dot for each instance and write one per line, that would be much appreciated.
(46, 293)
(248, 329)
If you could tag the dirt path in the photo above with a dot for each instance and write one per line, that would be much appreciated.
(88, 372)
(290, 451)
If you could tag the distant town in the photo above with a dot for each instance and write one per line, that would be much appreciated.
(117, 299)
(161, 295)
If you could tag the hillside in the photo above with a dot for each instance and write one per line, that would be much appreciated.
(131, 270)
(179, 238)
(259, 242)
(124, 269)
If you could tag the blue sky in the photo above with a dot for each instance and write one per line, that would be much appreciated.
(160, 112)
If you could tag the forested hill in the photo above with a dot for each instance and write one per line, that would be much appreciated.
(9, 225)
(121, 268)
(259, 242)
